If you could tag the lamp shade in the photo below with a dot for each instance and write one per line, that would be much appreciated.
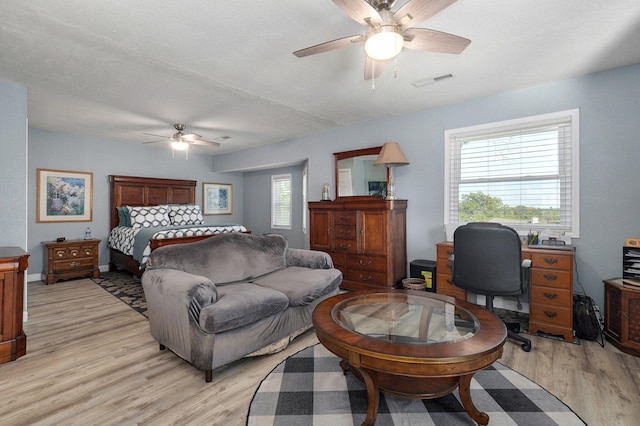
(391, 155)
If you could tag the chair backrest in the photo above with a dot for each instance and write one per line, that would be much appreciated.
(487, 259)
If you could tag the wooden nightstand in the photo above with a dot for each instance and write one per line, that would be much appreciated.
(71, 259)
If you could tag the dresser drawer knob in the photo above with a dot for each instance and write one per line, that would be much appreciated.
(363, 263)
(367, 278)
(344, 231)
(345, 217)
(550, 277)
(60, 254)
(449, 266)
(345, 246)
(551, 314)
(550, 261)
(550, 296)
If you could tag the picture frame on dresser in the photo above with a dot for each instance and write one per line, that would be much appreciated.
(64, 196)
(217, 198)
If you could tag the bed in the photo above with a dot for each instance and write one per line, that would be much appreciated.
(129, 246)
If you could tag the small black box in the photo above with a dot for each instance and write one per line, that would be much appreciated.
(425, 269)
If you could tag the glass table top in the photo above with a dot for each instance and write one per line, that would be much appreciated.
(405, 318)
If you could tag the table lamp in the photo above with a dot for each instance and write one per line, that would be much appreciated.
(391, 156)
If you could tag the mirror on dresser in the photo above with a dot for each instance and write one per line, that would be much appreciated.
(356, 176)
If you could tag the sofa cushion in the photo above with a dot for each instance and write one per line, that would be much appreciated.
(302, 285)
(240, 304)
(225, 258)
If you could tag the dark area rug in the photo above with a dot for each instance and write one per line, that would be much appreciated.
(125, 287)
(309, 388)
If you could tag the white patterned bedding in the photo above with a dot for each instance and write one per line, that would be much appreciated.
(135, 242)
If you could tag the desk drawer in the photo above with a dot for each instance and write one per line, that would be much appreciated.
(551, 261)
(550, 278)
(550, 296)
(370, 263)
(551, 315)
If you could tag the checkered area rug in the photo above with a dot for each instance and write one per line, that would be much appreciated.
(309, 388)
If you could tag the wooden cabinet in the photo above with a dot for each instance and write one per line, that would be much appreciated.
(13, 342)
(71, 259)
(366, 239)
(622, 316)
(550, 291)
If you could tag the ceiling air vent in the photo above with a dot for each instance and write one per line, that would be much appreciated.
(427, 81)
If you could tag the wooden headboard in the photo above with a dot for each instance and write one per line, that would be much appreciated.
(143, 191)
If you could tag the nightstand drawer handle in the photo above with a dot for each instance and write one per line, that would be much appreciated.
(363, 263)
(550, 261)
(60, 254)
(87, 252)
(550, 277)
(550, 296)
(74, 253)
(74, 264)
(551, 314)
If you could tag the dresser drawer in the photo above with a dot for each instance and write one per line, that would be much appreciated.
(551, 261)
(344, 218)
(370, 263)
(445, 251)
(345, 232)
(339, 259)
(446, 287)
(552, 315)
(364, 276)
(443, 266)
(349, 246)
(550, 278)
(72, 264)
(550, 296)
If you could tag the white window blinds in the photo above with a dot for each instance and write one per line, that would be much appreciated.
(281, 201)
(521, 173)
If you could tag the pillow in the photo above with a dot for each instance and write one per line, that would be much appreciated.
(185, 214)
(123, 215)
(146, 217)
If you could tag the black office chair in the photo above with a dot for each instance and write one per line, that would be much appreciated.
(487, 261)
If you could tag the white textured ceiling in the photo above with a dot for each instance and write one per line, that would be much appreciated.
(115, 69)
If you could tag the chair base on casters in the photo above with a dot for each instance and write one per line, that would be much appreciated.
(526, 343)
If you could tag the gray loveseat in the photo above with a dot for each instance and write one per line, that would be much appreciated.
(220, 299)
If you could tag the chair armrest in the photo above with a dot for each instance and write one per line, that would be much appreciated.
(312, 259)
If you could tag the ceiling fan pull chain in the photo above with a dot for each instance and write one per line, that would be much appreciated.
(395, 67)
(373, 76)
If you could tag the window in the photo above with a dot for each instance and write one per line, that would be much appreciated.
(281, 201)
(522, 173)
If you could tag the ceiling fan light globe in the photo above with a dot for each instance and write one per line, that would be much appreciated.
(180, 145)
(384, 43)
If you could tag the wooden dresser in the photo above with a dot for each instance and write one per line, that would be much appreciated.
(550, 291)
(71, 259)
(622, 315)
(13, 342)
(366, 239)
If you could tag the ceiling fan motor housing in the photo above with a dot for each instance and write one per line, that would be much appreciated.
(382, 4)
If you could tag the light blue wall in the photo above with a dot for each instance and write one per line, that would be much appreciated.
(104, 157)
(257, 204)
(13, 164)
(609, 104)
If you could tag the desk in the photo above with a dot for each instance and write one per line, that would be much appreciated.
(550, 290)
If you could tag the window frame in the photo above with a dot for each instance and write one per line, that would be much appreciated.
(276, 179)
(511, 125)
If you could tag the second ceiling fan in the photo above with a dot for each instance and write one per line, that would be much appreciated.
(388, 32)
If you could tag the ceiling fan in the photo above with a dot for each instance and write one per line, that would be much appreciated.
(388, 32)
(182, 141)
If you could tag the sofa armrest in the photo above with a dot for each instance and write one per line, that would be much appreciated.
(174, 301)
(308, 259)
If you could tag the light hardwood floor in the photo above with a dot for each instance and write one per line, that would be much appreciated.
(91, 360)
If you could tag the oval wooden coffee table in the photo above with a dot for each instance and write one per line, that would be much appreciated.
(410, 344)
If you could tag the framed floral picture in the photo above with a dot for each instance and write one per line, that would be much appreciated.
(217, 198)
(64, 196)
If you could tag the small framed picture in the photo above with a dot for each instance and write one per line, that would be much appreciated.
(378, 188)
(217, 198)
(64, 196)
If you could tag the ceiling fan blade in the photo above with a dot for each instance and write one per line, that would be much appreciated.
(329, 45)
(190, 136)
(162, 140)
(204, 143)
(373, 68)
(414, 12)
(434, 41)
(359, 10)
(158, 136)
